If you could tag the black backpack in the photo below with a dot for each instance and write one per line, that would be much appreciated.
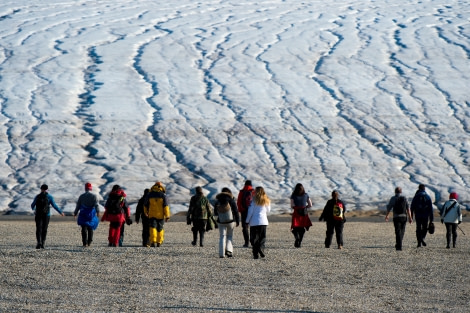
(400, 205)
(42, 204)
(421, 206)
(114, 204)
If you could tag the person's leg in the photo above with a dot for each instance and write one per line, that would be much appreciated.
(262, 240)
(448, 234)
(222, 238)
(295, 232)
(145, 231)
(152, 232)
(245, 230)
(90, 236)
(229, 240)
(339, 234)
(399, 225)
(419, 231)
(454, 234)
(254, 238)
(45, 225)
(330, 229)
(38, 221)
(84, 236)
(160, 232)
(121, 234)
(301, 233)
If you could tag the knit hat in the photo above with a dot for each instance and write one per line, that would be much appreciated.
(454, 195)
(88, 186)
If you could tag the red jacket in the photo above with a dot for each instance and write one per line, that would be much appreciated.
(243, 207)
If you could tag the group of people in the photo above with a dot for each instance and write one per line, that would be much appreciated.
(251, 209)
(422, 211)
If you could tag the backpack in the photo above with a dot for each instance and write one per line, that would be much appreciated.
(421, 207)
(400, 205)
(338, 211)
(224, 212)
(114, 204)
(42, 204)
(246, 199)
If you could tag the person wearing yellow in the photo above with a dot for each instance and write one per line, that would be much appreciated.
(156, 208)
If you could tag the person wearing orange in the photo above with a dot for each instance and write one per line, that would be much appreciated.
(300, 202)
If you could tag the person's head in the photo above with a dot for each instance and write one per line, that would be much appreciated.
(146, 191)
(88, 187)
(299, 190)
(261, 198)
(44, 187)
(454, 195)
(398, 190)
(226, 190)
(335, 195)
(421, 187)
(116, 188)
(198, 191)
(248, 183)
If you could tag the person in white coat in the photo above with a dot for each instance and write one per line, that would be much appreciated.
(257, 218)
(451, 215)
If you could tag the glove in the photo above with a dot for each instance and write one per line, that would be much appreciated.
(188, 221)
(442, 221)
(238, 224)
(460, 222)
(320, 219)
(128, 221)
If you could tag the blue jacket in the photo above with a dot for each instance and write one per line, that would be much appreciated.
(51, 201)
(421, 206)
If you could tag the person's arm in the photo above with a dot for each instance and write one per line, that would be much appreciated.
(33, 204)
(390, 205)
(309, 203)
(249, 214)
(236, 215)
(54, 205)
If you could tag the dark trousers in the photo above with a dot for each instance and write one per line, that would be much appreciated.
(298, 235)
(42, 223)
(87, 235)
(258, 239)
(421, 229)
(199, 226)
(331, 228)
(145, 231)
(121, 235)
(400, 224)
(451, 230)
(245, 227)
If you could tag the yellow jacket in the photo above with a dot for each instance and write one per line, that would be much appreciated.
(156, 205)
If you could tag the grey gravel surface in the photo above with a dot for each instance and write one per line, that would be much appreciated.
(368, 275)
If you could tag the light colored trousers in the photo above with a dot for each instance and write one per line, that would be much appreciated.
(225, 239)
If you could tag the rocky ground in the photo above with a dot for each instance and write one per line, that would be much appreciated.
(368, 275)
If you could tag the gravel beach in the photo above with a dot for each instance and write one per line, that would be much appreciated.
(368, 275)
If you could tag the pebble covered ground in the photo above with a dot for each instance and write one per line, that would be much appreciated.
(368, 275)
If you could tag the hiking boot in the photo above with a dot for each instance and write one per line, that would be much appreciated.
(424, 244)
(193, 243)
(159, 244)
(38, 246)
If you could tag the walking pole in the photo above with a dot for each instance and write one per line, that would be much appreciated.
(461, 230)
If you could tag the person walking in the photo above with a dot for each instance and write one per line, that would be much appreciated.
(41, 206)
(421, 209)
(140, 216)
(334, 216)
(116, 212)
(401, 211)
(88, 218)
(199, 212)
(451, 215)
(227, 218)
(257, 220)
(157, 210)
(244, 199)
(300, 202)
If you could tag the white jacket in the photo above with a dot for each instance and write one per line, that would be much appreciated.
(258, 214)
(454, 215)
